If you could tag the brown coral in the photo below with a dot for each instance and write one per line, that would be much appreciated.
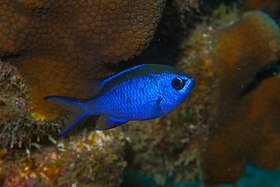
(245, 128)
(169, 149)
(33, 158)
(57, 44)
(235, 51)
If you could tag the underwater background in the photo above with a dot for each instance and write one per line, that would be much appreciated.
(226, 134)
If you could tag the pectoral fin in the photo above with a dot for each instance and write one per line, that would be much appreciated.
(107, 122)
(154, 108)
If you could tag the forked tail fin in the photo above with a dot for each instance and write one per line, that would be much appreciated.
(73, 104)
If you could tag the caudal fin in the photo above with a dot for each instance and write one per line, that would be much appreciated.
(73, 104)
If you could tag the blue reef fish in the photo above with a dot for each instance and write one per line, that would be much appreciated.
(142, 92)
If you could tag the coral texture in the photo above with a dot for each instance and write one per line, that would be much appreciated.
(31, 157)
(17, 125)
(59, 46)
(167, 149)
(246, 119)
(228, 122)
(94, 159)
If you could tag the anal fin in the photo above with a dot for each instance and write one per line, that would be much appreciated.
(107, 122)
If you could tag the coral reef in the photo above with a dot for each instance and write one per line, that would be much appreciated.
(244, 130)
(53, 55)
(17, 125)
(30, 156)
(232, 59)
(230, 119)
(169, 149)
(58, 46)
(94, 159)
(166, 149)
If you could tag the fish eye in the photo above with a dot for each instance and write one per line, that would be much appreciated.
(178, 83)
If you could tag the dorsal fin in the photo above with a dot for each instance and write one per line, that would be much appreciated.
(108, 79)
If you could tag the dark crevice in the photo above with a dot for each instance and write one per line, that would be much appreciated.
(264, 73)
(38, 12)
(6, 57)
(164, 47)
(172, 30)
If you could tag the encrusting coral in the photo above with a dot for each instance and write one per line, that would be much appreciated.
(230, 57)
(255, 30)
(59, 46)
(168, 148)
(95, 158)
(243, 130)
(17, 126)
(251, 137)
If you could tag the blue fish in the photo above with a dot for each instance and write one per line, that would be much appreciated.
(142, 92)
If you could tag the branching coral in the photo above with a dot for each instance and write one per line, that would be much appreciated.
(58, 46)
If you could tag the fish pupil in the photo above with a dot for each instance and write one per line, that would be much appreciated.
(178, 84)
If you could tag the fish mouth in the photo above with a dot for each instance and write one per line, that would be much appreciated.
(190, 84)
